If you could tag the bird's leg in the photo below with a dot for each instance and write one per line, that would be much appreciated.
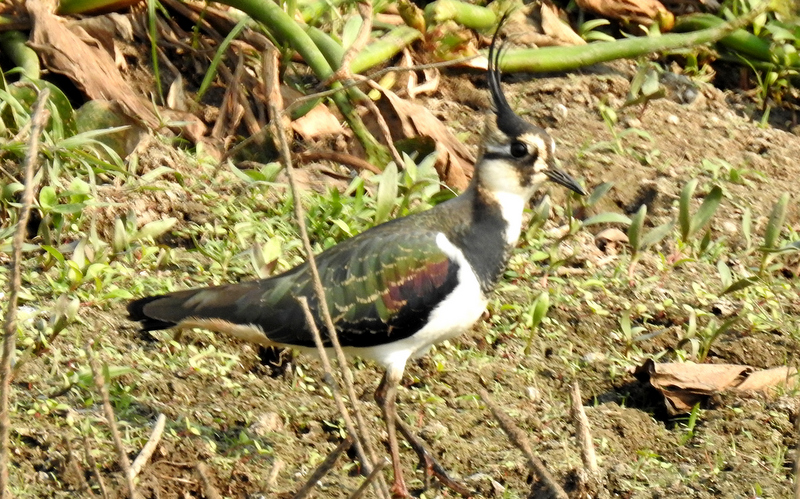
(429, 463)
(386, 396)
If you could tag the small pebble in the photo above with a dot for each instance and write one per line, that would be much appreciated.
(730, 227)
(672, 119)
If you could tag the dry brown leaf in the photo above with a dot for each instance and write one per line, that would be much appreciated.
(454, 162)
(685, 384)
(319, 122)
(610, 240)
(644, 12)
(553, 26)
(84, 61)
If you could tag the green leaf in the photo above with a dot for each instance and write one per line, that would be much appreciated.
(740, 285)
(635, 229)
(68, 209)
(747, 226)
(684, 216)
(387, 194)
(706, 210)
(651, 85)
(350, 30)
(598, 192)
(155, 228)
(540, 308)
(724, 273)
(657, 234)
(155, 173)
(775, 223)
(48, 198)
(605, 218)
(54, 253)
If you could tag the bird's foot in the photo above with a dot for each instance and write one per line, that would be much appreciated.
(399, 490)
(430, 465)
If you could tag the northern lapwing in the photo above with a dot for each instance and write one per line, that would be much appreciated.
(398, 288)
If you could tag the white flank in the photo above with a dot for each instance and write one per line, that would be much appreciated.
(455, 314)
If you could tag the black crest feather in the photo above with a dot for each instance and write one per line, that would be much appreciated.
(507, 120)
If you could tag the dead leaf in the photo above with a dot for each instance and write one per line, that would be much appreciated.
(685, 384)
(84, 61)
(610, 240)
(553, 26)
(644, 12)
(319, 122)
(406, 120)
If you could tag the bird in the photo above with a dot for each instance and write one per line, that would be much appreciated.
(398, 288)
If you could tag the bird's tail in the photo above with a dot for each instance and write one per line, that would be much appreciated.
(227, 309)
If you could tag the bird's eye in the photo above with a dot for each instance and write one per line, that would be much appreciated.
(518, 149)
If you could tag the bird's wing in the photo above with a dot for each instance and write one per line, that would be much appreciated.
(378, 288)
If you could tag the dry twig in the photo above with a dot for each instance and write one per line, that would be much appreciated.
(324, 467)
(520, 441)
(122, 456)
(362, 439)
(149, 447)
(208, 488)
(38, 120)
(582, 430)
(87, 449)
(75, 466)
(376, 472)
(272, 478)
(797, 462)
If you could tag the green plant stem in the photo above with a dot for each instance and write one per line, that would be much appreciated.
(568, 58)
(469, 15)
(739, 40)
(385, 48)
(314, 10)
(285, 28)
(12, 44)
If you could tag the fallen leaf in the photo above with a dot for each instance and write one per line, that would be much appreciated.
(84, 61)
(407, 120)
(319, 122)
(644, 12)
(685, 384)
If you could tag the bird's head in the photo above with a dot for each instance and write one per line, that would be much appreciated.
(517, 156)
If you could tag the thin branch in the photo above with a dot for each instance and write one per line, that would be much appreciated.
(324, 467)
(75, 466)
(87, 449)
(149, 447)
(376, 472)
(38, 120)
(797, 462)
(337, 157)
(520, 441)
(122, 457)
(330, 380)
(582, 431)
(344, 73)
(280, 132)
(208, 488)
(272, 477)
(375, 77)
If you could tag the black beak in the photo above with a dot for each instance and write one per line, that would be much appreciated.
(563, 178)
